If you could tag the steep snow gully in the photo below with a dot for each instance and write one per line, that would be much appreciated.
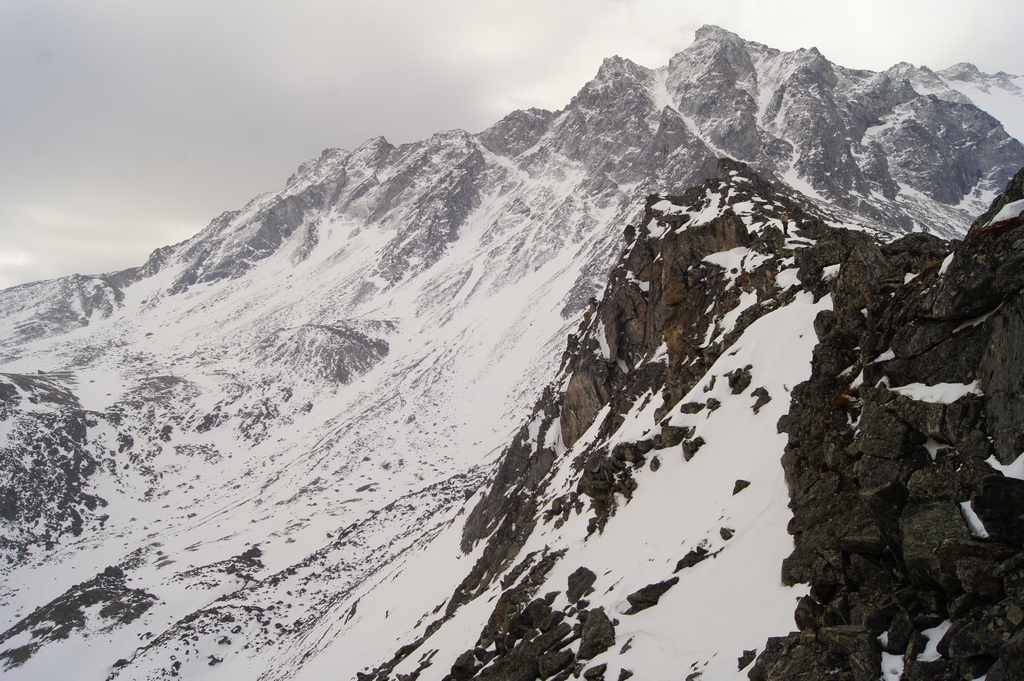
(781, 441)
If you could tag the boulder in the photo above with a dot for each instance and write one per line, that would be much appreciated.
(692, 558)
(983, 631)
(1010, 665)
(649, 596)
(580, 582)
(1002, 380)
(863, 651)
(923, 527)
(554, 661)
(1000, 506)
(598, 635)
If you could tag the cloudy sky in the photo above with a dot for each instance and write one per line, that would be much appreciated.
(128, 125)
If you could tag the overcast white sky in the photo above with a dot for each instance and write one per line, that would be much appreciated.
(128, 125)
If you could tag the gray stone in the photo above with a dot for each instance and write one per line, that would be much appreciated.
(648, 596)
(580, 582)
(976, 577)
(1010, 666)
(923, 528)
(598, 635)
(690, 447)
(1002, 380)
(984, 632)
(900, 631)
(955, 360)
(863, 651)
(809, 615)
(791, 657)
(739, 379)
(692, 558)
(883, 435)
(762, 396)
(1000, 506)
(554, 661)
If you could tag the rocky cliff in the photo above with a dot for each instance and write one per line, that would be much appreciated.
(906, 527)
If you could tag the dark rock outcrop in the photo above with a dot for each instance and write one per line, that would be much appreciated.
(649, 596)
(878, 480)
(580, 582)
(661, 292)
(117, 605)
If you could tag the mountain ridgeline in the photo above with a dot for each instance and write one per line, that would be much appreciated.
(762, 314)
(869, 146)
(907, 534)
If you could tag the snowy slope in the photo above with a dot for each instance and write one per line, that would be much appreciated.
(1001, 94)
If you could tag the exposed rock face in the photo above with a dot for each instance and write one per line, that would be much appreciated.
(662, 291)
(879, 529)
(46, 465)
(580, 582)
(335, 353)
(48, 308)
(668, 291)
(649, 596)
(597, 636)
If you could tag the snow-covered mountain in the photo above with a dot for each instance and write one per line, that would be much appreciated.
(308, 441)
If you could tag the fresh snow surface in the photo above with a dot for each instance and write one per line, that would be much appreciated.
(946, 262)
(1001, 95)
(739, 259)
(974, 523)
(1004, 101)
(1008, 212)
(934, 635)
(830, 272)
(940, 393)
(369, 477)
(892, 667)
(1011, 470)
(666, 207)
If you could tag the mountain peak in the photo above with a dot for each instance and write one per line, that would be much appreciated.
(717, 33)
(963, 71)
(616, 66)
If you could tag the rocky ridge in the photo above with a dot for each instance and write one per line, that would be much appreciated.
(905, 526)
(536, 188)
(673, 307)
(878, 478)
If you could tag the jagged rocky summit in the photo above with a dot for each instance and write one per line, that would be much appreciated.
(906, 149)
(294, 447)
